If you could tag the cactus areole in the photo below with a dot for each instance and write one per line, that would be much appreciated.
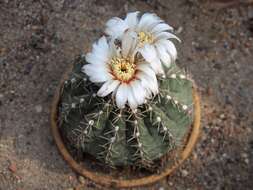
(126, 103)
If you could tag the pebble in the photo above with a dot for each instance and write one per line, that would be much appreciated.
(246, 161)
(38, 108)
(222, 116)
(184, 173)
(81, 179)
(13, 167)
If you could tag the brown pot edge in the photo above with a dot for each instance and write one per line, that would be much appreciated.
(108, 180)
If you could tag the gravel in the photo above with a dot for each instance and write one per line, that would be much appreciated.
(38, 40)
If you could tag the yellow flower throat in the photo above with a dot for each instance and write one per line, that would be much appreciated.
(144, 38)
(122, 68)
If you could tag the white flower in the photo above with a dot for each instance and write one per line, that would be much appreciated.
(121, 71)
(153, 37)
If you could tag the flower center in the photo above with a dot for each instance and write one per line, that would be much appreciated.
(144, 37)
(122, 68)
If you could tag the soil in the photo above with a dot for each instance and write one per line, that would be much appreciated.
(40, 38)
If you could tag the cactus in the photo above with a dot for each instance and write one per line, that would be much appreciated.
(122, 137)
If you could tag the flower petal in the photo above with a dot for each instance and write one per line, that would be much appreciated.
(150, 55)
(165, 36)
(131, 99)
(129, 43)
(146, 69)
(160, 28)
(170, 48)
(115, 27)
(121, 95)
(138, 91)
(148, 20)
(163, 54)
(108, 87)
(150, 84)
(95, 74)
(132, 19)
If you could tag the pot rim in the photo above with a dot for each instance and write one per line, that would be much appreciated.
(109, 180)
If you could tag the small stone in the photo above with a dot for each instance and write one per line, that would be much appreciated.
(150, 108)
(165, 128)
(184, 173)
(246, 161)
(13, 167)
(81, 179)
(176, 102)
(38, 108)
(244, 155)
(158, 119)
(222, 116)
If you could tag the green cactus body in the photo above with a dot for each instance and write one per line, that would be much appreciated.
(95, 125)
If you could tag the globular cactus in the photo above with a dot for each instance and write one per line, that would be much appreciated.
(122, 137)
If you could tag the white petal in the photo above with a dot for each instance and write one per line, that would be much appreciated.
(161, 27)
(95, 59)
(146, 69)
(131, 99)
(108, 87)
(148, 20)
(166, 35)
(129, 43)
(101, 48)
(115, 27)
(138, 91)
(163, 54)
(132, 19)
(121, 95)
(150, 55)
(99, 74)
(170, 47)
(150, 84)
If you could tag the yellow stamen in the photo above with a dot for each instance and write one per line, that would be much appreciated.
(122, 68)
(144, 37)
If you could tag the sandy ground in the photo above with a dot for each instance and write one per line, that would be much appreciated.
(38, 40)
